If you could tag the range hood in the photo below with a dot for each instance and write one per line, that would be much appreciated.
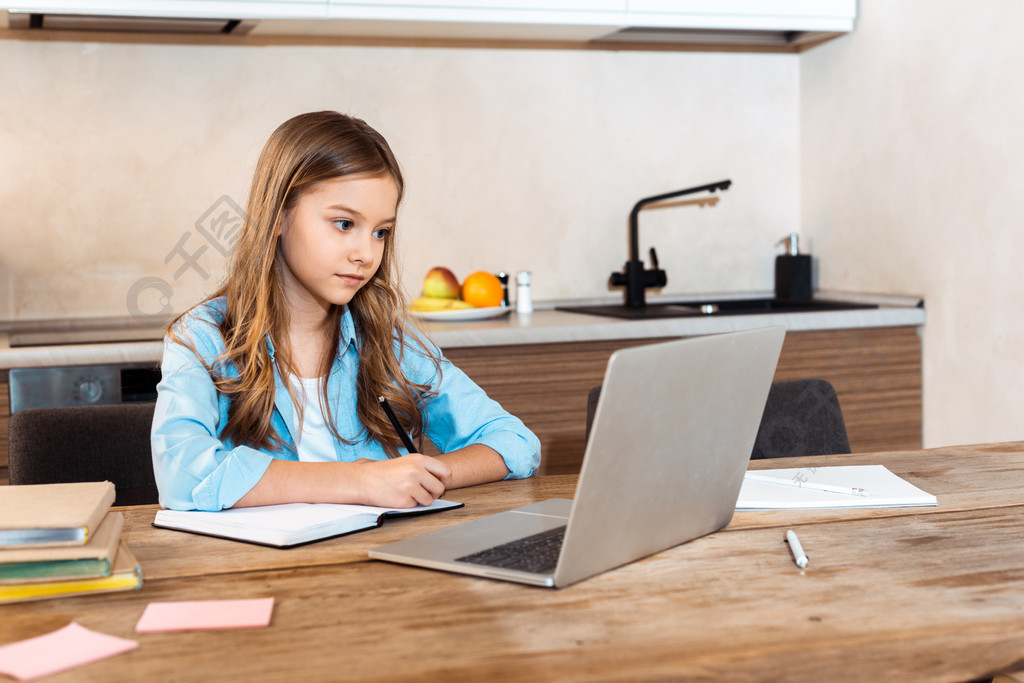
(616, 24)
(642, 35)
(127, 24)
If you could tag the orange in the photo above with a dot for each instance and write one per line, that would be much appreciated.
(482, 289)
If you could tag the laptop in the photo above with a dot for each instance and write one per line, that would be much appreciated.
(669, 445)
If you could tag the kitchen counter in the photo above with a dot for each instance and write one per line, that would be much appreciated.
(872, 356)
(544, 326)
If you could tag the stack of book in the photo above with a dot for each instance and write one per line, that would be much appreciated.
(62, 539)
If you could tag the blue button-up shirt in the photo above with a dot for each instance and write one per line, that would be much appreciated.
(196, 469)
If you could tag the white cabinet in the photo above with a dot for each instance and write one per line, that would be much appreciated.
(750, 15)
(178, 9)
(665, 21)
(553, 5)
(610, 13)
(764, 22)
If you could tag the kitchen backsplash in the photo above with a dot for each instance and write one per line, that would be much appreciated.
(124, 166)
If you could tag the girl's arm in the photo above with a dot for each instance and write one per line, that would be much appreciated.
(471, 429)
(194, 469)
(475, 464)
(468, 426)
(398, 483)
(413, 479)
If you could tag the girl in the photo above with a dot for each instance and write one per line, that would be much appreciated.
(270, 388)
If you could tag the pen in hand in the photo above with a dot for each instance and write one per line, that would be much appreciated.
(402, 434)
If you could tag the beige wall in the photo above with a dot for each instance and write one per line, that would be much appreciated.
(912, 136)
(515, 159)
(896, 151)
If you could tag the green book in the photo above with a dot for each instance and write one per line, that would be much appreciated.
(94, 559)
(126, 574)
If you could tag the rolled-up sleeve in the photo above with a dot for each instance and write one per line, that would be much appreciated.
(461, 414)
(193, 468)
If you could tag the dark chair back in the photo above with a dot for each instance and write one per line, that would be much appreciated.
(85, 443)
(801, 417)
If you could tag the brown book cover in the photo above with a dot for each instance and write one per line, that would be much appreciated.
(95, 558)
(52, 514)
(126, 575)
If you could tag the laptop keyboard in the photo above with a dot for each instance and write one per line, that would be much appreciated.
(537, 554)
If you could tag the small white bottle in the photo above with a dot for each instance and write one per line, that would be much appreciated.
(524, 301)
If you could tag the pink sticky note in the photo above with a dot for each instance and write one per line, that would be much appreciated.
(195, 615)
(63, 649)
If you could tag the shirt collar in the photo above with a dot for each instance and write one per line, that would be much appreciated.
(270, 347)
(347, 332)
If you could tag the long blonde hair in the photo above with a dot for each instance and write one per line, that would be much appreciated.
(303, 151)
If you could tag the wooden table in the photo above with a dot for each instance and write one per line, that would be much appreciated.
(928, 594)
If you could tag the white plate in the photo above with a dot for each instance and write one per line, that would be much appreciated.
(461, 314)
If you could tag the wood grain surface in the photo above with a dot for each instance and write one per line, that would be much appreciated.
(983, 479)
(876, 373)
(911, 594)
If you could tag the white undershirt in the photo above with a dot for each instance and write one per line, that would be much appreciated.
(315, 443)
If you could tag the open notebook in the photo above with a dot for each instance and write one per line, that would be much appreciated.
(291, 524)
(795, 489)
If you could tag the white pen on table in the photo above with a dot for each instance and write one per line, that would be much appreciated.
(814, 486)
(799, 556)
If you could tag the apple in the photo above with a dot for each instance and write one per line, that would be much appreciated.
(441, 283)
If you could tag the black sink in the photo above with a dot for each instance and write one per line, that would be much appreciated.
(716, 308)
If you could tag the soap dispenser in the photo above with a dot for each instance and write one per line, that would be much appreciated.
(792, 271)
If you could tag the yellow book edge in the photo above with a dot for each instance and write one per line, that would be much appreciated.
(127, 574)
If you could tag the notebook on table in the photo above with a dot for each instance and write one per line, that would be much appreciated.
(670, 442)
(836, 486)
(289, 524)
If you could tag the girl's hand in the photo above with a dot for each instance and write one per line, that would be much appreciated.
(404, 482)
(410, 480)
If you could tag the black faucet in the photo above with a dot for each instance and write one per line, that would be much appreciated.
(634, 275)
